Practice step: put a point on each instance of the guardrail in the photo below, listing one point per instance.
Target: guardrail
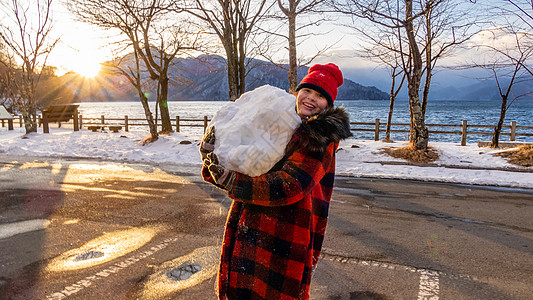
(377, 127)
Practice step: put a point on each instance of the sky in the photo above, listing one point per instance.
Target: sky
(84, 46)
(356, 158)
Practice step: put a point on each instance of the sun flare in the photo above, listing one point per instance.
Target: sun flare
(87, 68)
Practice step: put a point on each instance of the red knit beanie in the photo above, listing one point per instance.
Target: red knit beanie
(324, 79)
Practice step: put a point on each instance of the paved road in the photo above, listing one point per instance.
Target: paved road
(89, 229)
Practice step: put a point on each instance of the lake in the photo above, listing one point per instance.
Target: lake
(438, 112)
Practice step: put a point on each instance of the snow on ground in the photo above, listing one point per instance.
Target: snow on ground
(360, 158)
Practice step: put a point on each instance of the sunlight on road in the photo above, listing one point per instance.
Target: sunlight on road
(11, 229)
(33, 165)
(104, 248)
(160, 283)
(87, 176)
(8, 166)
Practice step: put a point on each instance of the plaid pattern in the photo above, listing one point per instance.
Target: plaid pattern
(275, 227)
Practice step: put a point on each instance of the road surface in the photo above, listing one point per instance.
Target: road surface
(91, 229)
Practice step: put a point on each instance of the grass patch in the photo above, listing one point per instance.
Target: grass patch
(523, 156)
(148, 140)
(410, 154)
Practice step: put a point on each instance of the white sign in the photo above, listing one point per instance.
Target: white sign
(4, 114)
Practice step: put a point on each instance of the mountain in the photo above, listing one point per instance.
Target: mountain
(483, 90)
(204, 78)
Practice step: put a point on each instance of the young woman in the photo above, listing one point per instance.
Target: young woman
(277, 221)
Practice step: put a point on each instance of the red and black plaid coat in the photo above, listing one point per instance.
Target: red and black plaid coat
(277, 221)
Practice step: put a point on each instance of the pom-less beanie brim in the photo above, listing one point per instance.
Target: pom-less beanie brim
(315, 87)
(325, 79)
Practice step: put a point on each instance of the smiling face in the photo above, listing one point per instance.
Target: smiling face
(309, 102)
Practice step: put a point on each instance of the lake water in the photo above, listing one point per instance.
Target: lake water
(438, 112)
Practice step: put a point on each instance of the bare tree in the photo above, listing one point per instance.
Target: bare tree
(523, 9)
(9, 81)
(5, 71)
(385, 45)
(25, 31)
(429, 29)
(506, 55)
(170, 40)
(129, 66)
(151, 31)
(234, 22)
(291, 10)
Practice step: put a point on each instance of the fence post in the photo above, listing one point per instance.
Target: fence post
(80, 118)
(46, 129)
(376, 131)
(75, 120)
(20, 120)
(126, 123)
(513, 131)
(464, 127)
(205, 124)
(103, 119)
(177, 123)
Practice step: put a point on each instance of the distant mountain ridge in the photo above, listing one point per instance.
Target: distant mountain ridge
(204, 78)
(484, 90)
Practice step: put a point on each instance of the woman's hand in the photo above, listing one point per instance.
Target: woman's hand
(208, 143)
(222, 176)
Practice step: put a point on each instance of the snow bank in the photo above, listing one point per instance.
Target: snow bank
(252, 132)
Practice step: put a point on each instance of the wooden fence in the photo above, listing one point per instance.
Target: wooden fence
(127, 122)
(377, 127)
(464, 129)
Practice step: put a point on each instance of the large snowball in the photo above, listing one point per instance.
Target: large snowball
(252, 132)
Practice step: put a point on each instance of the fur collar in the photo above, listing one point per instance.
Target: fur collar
(320, 130)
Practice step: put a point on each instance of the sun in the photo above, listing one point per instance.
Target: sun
(87, 68)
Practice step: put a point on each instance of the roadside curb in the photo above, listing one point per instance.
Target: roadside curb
(434, 165)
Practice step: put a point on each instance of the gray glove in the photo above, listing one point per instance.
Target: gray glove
(222, 176)
(208, 143)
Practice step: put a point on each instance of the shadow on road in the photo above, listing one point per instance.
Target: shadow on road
(385, 225)
(22, 254)
(85, 202)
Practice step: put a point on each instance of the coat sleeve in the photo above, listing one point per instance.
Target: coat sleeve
(299, 174)
(206, 176)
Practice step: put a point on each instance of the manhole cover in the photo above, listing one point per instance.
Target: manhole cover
(89, 255)
(184, 271)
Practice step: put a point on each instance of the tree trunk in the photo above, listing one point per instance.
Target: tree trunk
(29, 113)
(241, 76)
(293, 64)
(419, 134)
(29, 122)
(233, 82)
(498, 129)
(166, 125)
(149, 118)
(429, 59)
(427, 84)
(391, 108)
(241, 60)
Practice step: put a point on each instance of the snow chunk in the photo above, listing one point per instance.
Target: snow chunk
(252, 132)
